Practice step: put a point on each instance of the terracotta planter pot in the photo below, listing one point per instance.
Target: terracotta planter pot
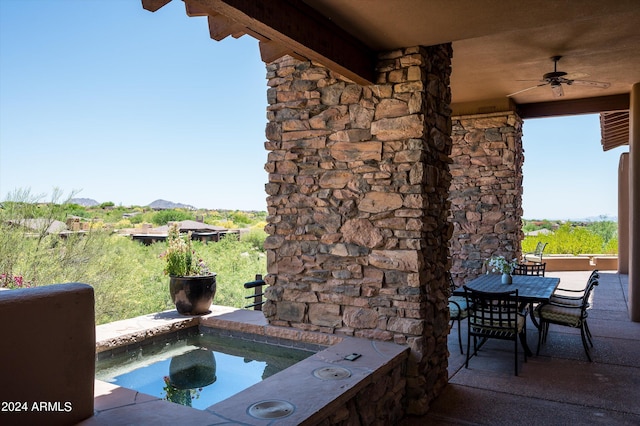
(193, 295)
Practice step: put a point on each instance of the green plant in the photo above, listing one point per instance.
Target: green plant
(606, 229)
(127, 276)
(575, 238)
(502, 265)
(165, 216)
(179, 396)
(180, 257)
(255, 237)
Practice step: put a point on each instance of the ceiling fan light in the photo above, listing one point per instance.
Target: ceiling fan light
(556, 88)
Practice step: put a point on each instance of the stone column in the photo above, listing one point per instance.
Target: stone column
(486, 191)
(357, 203)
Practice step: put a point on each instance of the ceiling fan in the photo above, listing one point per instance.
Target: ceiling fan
(556, 79)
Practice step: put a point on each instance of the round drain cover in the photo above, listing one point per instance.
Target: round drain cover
(331, 373)
(272, 409)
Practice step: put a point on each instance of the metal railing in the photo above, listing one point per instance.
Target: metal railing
(256, 285)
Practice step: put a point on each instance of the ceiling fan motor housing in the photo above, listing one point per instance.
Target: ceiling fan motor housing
(554, 76)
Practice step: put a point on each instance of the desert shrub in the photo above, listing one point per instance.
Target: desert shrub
(606, 229)
(255, 237)
(224, 223)
(141, 218)
(240, 218)
(165, 216)
(235, 262)
(611, 247)
(574, 240)
(127, 276)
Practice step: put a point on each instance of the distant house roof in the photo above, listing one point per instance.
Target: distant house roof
(192, 225)
(542, 231)
(52, 227)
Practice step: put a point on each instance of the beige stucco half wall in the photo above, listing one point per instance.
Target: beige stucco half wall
(48, 354)
(580, 263)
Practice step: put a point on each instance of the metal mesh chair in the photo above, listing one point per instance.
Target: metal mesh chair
(535, 269)
(457, 309)
(495, 316)
(535, 256)
(568, 311)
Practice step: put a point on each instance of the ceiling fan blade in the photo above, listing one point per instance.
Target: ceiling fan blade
(599, 84)
(575, 75)
(557, 90)
(528, 88)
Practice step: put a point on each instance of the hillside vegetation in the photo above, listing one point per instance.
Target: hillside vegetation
(597, 237)
(127, 276)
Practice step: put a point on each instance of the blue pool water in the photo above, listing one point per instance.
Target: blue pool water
(198, 370)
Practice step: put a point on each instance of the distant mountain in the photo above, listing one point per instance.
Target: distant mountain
(86, 202)
(164, 205)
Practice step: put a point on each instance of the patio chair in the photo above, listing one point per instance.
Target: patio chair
(570, 295)
(568, 311)
(495, 316)
(525, 269)
(457, 309)
(536, 255)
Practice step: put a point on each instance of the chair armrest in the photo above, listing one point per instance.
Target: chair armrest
(567, 293)
(456, 303)
(565, 296)
(570, 289)
(561, 304)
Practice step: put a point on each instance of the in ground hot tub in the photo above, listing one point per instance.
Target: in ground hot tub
(197, 369)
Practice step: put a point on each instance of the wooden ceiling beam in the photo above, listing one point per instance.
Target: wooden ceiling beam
(303, 31)
(220, 27)
(154, 5)
(575, 106)
(194, 9)
(270, 51)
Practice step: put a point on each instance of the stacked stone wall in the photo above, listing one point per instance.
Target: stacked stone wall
(380, 403)
(486, 191)
(358, 210)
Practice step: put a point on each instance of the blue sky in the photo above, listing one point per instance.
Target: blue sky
(124, 105)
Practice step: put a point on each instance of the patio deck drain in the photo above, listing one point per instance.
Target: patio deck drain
(331, 373)
(271, 409)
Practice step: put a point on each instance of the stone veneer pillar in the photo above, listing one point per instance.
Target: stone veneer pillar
(357, 201)
(486, 191)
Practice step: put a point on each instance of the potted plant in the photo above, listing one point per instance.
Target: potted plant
(179, 396)
(191, 284)
(504, 266)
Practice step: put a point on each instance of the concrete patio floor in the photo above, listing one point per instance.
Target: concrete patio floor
(558, 387)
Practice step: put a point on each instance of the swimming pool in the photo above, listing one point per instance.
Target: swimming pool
(198, 370)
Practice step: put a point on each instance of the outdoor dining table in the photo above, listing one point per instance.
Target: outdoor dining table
(531, 289)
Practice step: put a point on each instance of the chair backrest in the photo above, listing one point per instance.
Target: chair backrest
(452, 284)
(595, 275)
(593, 281)
(493, 314)
(537, 269)
(539, 248)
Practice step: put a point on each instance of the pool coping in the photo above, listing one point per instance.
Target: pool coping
(313, 398)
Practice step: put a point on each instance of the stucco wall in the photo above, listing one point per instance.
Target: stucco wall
(48, 354)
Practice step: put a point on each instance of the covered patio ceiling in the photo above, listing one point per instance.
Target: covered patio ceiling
(500, 46)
